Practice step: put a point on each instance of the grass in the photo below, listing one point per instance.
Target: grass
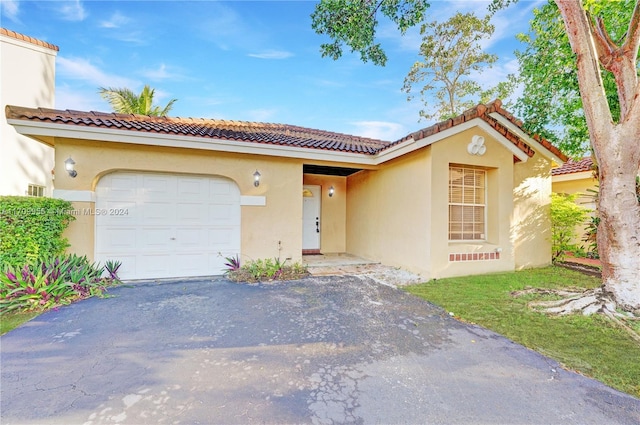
(592, 346)
(9, 321)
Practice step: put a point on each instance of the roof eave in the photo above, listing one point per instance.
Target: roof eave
(475, 122)
(580, 175)
(528, 139)
(43, 131)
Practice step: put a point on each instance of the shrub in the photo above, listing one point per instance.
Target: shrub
(48, 284)
(31, 229)
(264, 270)
(565, 216)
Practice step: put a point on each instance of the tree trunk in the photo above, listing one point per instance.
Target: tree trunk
(616, 147)
(619, 229)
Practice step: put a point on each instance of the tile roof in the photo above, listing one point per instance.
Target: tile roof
(18, 36)
(266, 133)
(482, 111)
(571, 166)
(256, 132)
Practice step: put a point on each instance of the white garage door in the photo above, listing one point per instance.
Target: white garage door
(164, 225)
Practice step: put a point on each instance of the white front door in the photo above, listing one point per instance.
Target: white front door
(311, 217)
(166, 225)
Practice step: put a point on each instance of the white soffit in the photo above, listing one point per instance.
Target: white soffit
(582, 175)
(28, 45)
(531, 141)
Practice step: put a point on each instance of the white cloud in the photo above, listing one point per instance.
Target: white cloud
(71, 98)
(490, 77)
(10, 9)
(271, 54)
(72, 10)
(225, 28)
(262, 115)
(162, 73)
(117, 20)
(382, 130)
(82, 69)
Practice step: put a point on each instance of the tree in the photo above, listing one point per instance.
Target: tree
(551, 104)
(451, 52)
(124, 101)
(616, 144)
(565, 216)
(354, 23)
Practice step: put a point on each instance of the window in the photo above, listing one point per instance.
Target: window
(35, 190)
(467, 199)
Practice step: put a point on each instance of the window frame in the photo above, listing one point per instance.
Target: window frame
(462, 204)
(35, 190)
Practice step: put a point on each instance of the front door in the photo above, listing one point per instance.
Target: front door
(311, 217)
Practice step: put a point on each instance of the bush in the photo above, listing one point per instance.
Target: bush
(31, 229)
(48, 284)
(565, 216)
(264, 270)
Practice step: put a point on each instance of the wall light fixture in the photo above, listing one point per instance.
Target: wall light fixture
(69, 165)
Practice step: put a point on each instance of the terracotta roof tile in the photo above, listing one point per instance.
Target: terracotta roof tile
(571, 166)
(482, 111)
(268, 133)
(276, 134)
(18, 36)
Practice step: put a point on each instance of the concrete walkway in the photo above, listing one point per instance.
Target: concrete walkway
(323, 350)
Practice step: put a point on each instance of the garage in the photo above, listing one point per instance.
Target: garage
(166, 225)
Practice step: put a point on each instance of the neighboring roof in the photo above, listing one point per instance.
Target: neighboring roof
(18, 36)
(278, 134)
(571, 167)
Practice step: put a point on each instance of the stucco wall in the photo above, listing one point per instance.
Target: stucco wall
(332, 211)
(27, 78)
(531, 223)
(388, 213)
(399, 214)
(267, 231)
(498, 162)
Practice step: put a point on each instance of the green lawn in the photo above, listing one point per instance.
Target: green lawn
(9, 321)
(590, 345)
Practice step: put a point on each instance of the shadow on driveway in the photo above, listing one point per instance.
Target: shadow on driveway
(323, 350)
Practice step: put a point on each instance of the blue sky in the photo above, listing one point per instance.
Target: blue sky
(241, 60)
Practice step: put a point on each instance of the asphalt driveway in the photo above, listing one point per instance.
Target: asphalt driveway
(323, 350)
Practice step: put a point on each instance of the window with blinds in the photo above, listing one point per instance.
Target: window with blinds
(467, 203)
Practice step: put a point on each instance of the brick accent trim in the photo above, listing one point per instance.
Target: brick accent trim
(475, 256)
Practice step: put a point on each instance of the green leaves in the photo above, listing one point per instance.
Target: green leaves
(124, 101)
(551, 105)
(47, 284)
(31, 229)
(263, 270)
(353, 23)
(451, 52)
(566, 214)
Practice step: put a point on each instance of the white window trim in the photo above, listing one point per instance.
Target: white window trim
(486, 190)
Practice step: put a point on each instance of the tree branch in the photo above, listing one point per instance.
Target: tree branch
(605, 47)
(632, 43)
